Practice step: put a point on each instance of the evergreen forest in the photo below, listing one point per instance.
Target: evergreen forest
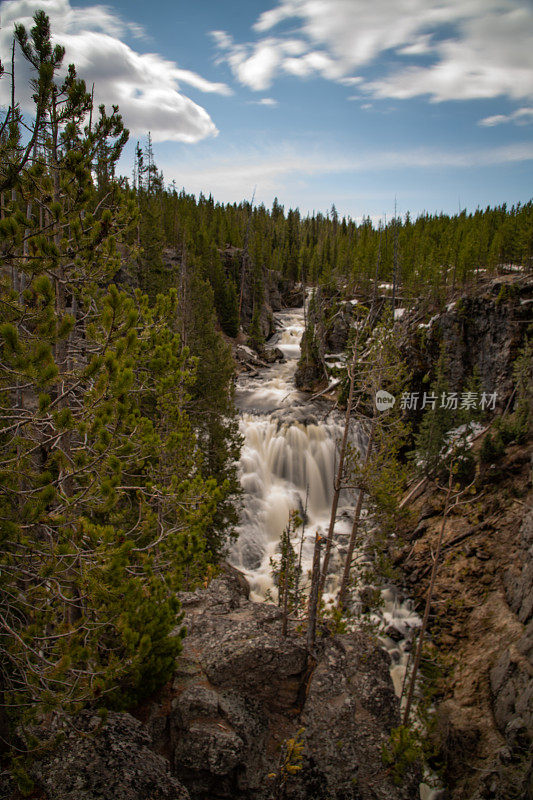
(120, 297)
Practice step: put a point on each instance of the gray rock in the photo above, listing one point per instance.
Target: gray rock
(519, 582)
(110, 761)
(339, 329)
(511, 681)
(272, 354)
(349, 706)
(241, 689)
(482, 331)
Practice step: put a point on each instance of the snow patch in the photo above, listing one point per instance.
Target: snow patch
(430, 323)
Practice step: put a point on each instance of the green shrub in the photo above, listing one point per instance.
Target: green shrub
(492, 448)
(401, 751)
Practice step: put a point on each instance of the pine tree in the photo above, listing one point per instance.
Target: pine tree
(287, 572)
(211, 409)
(106, 513)
(436, 422)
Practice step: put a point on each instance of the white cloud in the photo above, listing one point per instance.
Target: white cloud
(279, 168)
(266, 101)
(351, 81)
(522, 116)
(484, 51)
(145, 85)
(256, 65)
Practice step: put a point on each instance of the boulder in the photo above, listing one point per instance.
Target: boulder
(272, 354)
(349, 710)
(96, 760)
(241, 689)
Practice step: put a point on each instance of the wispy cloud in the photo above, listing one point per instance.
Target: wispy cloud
(484, 51)
(522, 116)
(265, 101)
(147, 86)
(277, 168)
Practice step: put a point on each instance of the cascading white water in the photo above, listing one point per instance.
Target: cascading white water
(288, 463)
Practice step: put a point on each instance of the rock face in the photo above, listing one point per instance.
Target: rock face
(241, 689)
(338, 328)
(278, 292)
(348, 708)
(511, 678)
(328, 329)
(105, 761)
(482, 331)
(519, 583)
(482, 629)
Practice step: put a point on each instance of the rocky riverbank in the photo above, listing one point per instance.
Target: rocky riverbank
(239, 692)
(481, 628)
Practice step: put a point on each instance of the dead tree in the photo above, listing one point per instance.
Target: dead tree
(314, 596)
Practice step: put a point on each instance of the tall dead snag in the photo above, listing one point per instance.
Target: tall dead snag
(355, 525)
(395, 273)
(377, 472)
(337, 486)
(314, 596)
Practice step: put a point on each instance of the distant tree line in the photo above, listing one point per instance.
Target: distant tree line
(434, 252)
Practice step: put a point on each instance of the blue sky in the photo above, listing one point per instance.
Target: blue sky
(352, 102)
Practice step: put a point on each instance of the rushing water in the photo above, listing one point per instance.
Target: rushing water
(288, 463)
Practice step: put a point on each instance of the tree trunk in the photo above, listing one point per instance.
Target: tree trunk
(428, 602)
(342, 454)
(355, 527)
(314, 597)
(338, 479)
(285, 601)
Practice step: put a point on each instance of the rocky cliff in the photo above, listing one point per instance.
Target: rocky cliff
(480, 674)
(481, 329)
(277, 291)
(240, 691)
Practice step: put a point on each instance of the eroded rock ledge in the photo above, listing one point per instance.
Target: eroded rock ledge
(239, 690)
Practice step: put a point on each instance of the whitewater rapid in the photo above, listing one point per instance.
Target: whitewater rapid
(288, 463)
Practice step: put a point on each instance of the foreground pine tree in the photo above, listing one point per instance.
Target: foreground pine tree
(103, 506)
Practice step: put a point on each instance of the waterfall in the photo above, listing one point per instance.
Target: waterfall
(288, 463)
(287, 460)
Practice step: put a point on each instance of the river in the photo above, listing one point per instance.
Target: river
(287, 463)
